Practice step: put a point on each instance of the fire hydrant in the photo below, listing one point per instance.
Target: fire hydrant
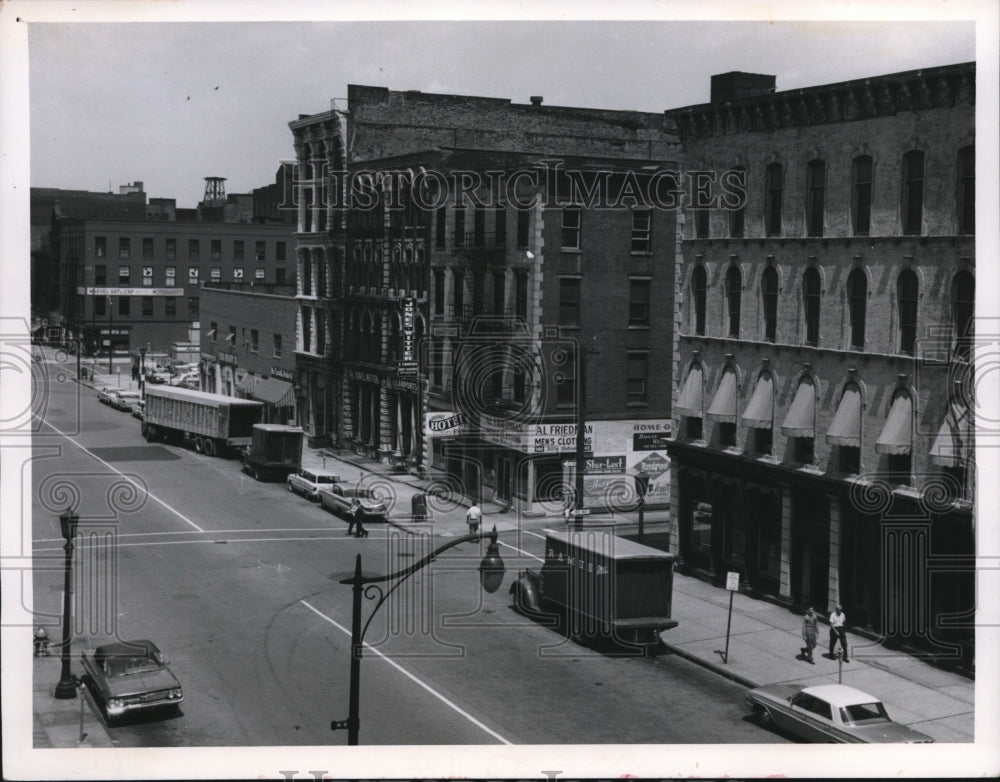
(41, 643)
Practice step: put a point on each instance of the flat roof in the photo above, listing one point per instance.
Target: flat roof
(192, 395)
(608, 544)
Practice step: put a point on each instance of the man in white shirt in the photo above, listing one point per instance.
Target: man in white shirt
(473, 516)
(838, 631)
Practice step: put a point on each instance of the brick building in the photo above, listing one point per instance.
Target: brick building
(247, 344)
(395, 291)
(821, 402)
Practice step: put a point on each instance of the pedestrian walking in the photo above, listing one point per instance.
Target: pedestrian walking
(354, 519)
(838, 631)
(810, 632)
(473, 516)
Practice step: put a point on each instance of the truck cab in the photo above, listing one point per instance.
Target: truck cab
(275, 452)
(600, 588)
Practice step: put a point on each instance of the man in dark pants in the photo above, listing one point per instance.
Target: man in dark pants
(838, 631)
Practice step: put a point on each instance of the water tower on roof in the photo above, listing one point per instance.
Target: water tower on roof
(215, 189)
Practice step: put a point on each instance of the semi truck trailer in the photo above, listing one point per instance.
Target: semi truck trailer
(212, 423)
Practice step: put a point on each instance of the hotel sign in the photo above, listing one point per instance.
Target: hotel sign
(130, 291)
(443, 424)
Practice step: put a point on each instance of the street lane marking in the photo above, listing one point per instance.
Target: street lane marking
(410, 676)
(206, 541)
(520, 551)
(111, 467)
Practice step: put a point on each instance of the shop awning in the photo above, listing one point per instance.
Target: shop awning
(760, 412)
(897, 436)
(953, 442)
(690, 401)
(247, 383)
(846, 426)
(723, 405)
(802, 413)
(275, 392)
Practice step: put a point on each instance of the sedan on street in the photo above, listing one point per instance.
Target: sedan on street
(829, 713)
(130, 676)
(352, 502)
(309, 482)
(123, 400)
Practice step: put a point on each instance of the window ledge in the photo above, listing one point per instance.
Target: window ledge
(641, 253)
(571, 250)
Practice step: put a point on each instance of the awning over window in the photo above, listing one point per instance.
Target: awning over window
(846, 426)
(723, 405)
(760, 412)
(690, 402)
(275, 392)
(897, 436)
(247, 383)
(953, 442)
(802, 413)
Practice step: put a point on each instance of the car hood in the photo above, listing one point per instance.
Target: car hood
(890, 732)
(776, 692)
(147, 681)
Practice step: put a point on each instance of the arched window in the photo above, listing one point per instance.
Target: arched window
(815, 197)
(963, 306)
(699, 289)
(769, 292)
(913, 191)
(906, 293)
(734, 284)
(857, 301)
(861, 194)
(810, 302)
(773, 184)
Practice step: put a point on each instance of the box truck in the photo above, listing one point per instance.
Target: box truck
(274, 452)
(212, 423)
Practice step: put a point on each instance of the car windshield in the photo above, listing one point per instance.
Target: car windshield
(324, 479)
(864, 714)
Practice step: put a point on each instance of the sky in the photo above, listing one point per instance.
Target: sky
(172, 103)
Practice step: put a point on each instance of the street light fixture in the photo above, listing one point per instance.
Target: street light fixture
(67, 684)
(491, 572)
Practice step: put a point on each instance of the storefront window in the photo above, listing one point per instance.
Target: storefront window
(701, 527)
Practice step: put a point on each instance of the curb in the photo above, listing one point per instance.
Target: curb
(713, 667)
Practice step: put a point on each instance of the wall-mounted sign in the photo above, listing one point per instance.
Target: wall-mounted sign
(408, 365)
(130, 291)
(443, 424)
(284, 374)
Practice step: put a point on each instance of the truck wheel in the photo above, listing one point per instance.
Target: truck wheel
(197, 445)
(208, 446)
(145, 433)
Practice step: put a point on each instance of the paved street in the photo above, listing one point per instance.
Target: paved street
(233, 579)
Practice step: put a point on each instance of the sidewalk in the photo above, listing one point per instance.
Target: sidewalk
(764, 638)
(56, 723)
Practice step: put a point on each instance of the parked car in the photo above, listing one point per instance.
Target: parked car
(122, 399)
(829, 713)
(104, 394)
(181, 379)
(309, 482)
(138, 408)
(158, 376)
(130, 676)
(352, 501)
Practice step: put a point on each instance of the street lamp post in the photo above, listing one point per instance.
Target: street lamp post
(67, 684)
(491, 572)
(642, 486)
(111, 336)
(581, 437)
(142, 370)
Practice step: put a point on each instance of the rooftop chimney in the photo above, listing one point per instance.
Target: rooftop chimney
(738, 85)
(536, 100)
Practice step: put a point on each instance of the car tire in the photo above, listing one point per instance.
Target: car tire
(208, 446)
(763, 716)
(290, 488)
(197, 445)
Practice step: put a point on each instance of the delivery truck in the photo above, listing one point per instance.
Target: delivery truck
(274, 452)
(600, 588)
(212, 423)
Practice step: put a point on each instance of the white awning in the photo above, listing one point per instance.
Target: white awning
(690, 401)
(723, 405)
(801, 415)
(897, 434)
(760, 412)
(846, 426)
(953, 443)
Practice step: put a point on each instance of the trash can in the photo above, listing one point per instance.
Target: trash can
(418, 508)
(83, 373)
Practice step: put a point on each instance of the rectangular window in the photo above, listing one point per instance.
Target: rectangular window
(279, 251)
(170, 306)
(459, 226)
(439, 291)
(147, 276)
(571, 219)
(500, 226)
(441, 227)
(913, 192)
(737, 215)
(100, 275)
(276, 340)
(124, 305)
(238, 273)
(124, 248)
(147, 248)
(701, 223)
(216, 249)
(850, 459)
(194, 250)
(100, 246)
(804, 450)
(171, 253)
(100, 305)
(306, 329)
(763, 441)
(861, 196)
(147, 306)
(523, 228)
(279, 276)
(727, 434)
(693, 428)
(192, 275)
(258, 274)
(215, 273)
(193, 308)
(170, 276)
(773, 184)
(124, 273)
(254, 340)
(641, 222)
(521, 298)
(569, 301)
(458, 294)
(638, 303)
(967, 190)
(637, 377)
(238, 250)
(566, 384)
(260, 251)
(815, 196)
(478, 226)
